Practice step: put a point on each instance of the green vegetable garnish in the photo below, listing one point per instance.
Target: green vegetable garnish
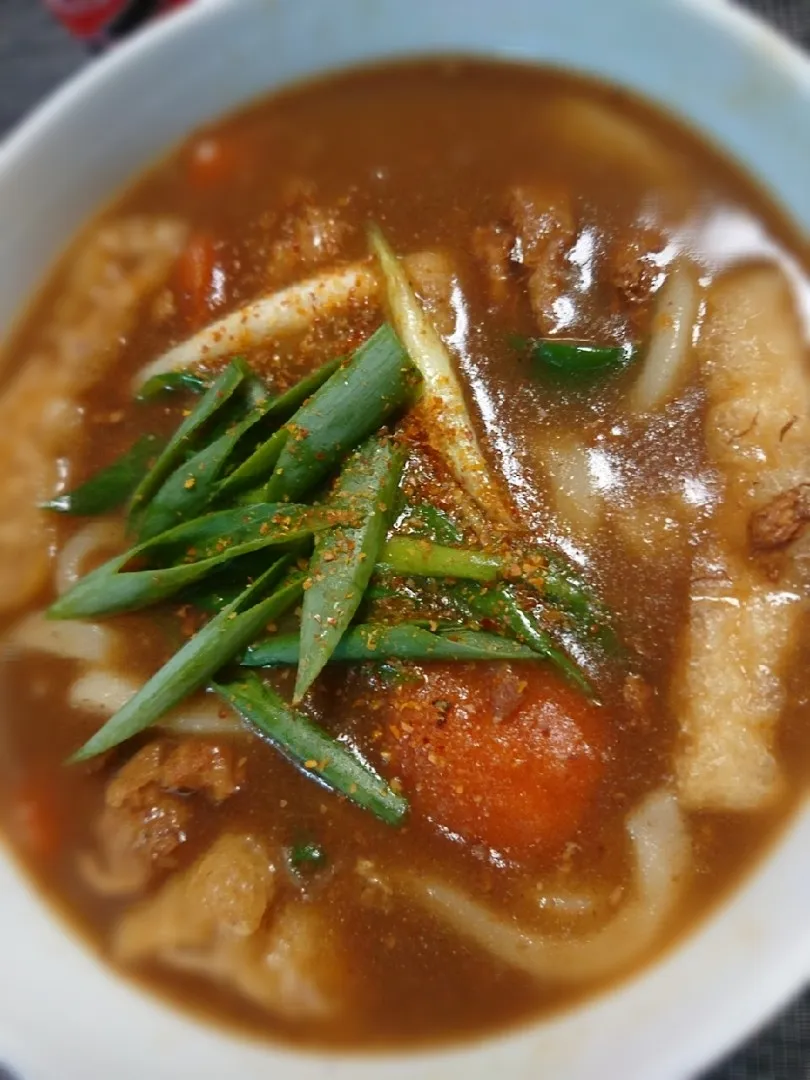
(111, 487)
(404, 555)
(448, 422)
(577, 360)
(258, 465)
(311, 749)
(354, 403)
(430, 523)
(185, 555)
(499, 604)
(402, 641)
(559, 583)
(306, 855)
(219, 641)
(171, 381)
(191, 487)
(184, 439)
(344, 558)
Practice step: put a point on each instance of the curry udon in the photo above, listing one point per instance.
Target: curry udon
(404, 562)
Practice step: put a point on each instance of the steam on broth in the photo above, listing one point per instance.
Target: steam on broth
(404, 561)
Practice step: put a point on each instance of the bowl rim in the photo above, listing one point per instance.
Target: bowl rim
(782, 976)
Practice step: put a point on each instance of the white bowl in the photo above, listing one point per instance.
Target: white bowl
(63, 1014)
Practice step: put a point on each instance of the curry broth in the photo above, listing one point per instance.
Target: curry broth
(426, 149)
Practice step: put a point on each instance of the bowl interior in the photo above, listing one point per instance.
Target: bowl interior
(62, 1013)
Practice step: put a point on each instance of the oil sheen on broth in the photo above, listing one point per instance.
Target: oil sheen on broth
(556, 839)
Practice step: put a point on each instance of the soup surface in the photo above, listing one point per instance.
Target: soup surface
(575, 706)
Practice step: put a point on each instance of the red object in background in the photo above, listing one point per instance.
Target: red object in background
(100, 22)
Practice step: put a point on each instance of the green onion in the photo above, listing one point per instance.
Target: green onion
(219, 641)
(378, 381)
(248, 482)
(570, 359)
(449, 426)
(213, 540)
(259, 464)
(403, 555)
(316, 753)
(500, 605)
(565, 588)
(559, 583)
(344, 558)
(183, 440)
(306, 855)
(287, 404)
(404, 641)
(190, 488)
(111, 487)
(396, 673)
(431, 523)
(171, 381)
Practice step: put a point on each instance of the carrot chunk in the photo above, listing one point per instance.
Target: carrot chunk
(35, 818)
(198, 281)
(505, 755)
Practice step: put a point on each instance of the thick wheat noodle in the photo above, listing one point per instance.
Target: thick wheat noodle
(103, 692)
(579, 504)
(68, 639)
(282, 314)
(106, 882)
(666, 360)
(97, 538)
(615, 140)
(662, 853)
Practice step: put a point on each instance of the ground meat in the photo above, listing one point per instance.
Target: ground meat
(541, 218)
(190, 765)
(545, 229)
(638, 697)
(146, 816)
(507, 690)
(492, 247)
(141, 835)
(781, 520)
(633, 271)
(307, 235)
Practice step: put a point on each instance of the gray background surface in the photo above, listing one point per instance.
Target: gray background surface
(35, 56)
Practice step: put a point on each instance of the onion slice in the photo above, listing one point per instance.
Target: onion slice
(443, 407)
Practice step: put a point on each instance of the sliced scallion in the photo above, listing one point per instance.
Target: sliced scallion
(211, 648)
(316, 753)
(355, 402)
(376, 643)
(110, 488)
(344, 558)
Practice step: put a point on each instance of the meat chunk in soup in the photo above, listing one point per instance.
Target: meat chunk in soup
(308, 234)
(147, 816)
